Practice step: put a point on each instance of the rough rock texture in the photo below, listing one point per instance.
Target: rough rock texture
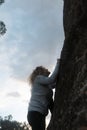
(70, 109)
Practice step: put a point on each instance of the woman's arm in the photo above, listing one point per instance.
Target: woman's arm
(48, 80)
(52, 85)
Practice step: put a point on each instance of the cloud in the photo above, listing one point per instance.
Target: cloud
(13, 94)
(34, 36)
(9, 104)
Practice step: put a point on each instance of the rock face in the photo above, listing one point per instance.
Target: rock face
(70, 106)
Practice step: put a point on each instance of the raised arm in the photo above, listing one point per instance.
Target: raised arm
(52, 85)
(51, 79)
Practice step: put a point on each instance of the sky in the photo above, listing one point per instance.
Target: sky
(34, 37)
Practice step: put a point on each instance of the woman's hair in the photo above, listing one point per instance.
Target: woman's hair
(40, 70)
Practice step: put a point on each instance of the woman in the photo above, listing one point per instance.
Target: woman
(41, 96)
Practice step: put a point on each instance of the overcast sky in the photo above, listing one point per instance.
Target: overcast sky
(34, 37)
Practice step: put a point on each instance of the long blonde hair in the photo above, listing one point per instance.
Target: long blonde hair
(40, 70)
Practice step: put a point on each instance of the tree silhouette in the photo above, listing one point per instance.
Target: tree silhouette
(2, 28)
(2, 25)
(7, 123)
(70, 106)
(1, 1)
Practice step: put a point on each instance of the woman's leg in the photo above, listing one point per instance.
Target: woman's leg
(36, 120)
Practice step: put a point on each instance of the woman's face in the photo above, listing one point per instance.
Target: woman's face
(46, 73)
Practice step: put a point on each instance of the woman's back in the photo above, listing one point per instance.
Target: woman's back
(40, 98)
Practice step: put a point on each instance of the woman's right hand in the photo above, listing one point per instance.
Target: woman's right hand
(58, 61)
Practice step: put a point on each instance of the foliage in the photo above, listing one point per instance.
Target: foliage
(1, 1)
(2, 28)
(7, 123)
(2, 25)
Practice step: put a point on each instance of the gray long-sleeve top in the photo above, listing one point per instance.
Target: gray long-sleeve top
(41, 93)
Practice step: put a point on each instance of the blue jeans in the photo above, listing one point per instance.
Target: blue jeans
(36, 120)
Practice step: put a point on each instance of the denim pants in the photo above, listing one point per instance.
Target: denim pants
(36, 120)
